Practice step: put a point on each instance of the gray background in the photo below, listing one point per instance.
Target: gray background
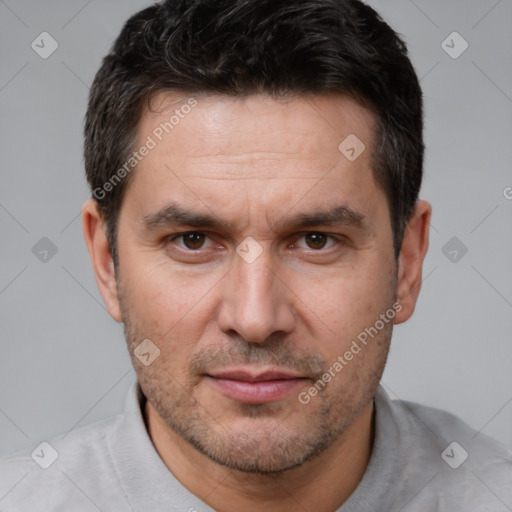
(63, 359)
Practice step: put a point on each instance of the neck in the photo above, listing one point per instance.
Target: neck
(337, 471)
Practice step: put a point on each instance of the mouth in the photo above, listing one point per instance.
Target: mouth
(249, 386)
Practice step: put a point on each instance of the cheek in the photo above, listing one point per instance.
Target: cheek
(343, 305)
(349, 298)
(163, 300)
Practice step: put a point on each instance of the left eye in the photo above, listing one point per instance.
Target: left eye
(317, 240)
(192, 240)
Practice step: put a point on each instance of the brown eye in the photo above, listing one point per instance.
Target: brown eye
(193, 240)
(316, 240)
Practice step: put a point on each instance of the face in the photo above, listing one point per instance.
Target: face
(255, 255)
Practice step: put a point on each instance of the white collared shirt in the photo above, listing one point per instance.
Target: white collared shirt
(423, 460)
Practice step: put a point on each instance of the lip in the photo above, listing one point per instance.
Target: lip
(253, 387)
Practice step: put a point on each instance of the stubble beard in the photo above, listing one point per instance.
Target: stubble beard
(269, 449)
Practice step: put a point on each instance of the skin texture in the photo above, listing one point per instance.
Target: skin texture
(254, 165)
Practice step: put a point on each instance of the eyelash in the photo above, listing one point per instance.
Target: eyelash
(336, 239)
(175, 237)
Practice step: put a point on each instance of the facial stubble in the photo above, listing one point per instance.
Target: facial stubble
(285, 434)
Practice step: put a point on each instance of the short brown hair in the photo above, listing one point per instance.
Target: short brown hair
(240, 47)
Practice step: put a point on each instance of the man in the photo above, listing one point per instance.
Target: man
(255, 224)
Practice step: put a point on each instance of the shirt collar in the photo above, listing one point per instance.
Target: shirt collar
(377, 490)
(147, 482)
(150, 486)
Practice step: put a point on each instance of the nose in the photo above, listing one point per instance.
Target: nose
(256, 302)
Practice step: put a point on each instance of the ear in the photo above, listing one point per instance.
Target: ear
(410, 262)
(101, 258)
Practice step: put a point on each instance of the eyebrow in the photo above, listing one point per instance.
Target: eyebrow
(338, 215)
(173, 214)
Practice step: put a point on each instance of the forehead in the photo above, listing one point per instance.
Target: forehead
(254, 154)
(220, 124)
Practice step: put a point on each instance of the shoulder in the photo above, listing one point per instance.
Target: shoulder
(74, 469)
(450, 465)
(444, 431)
